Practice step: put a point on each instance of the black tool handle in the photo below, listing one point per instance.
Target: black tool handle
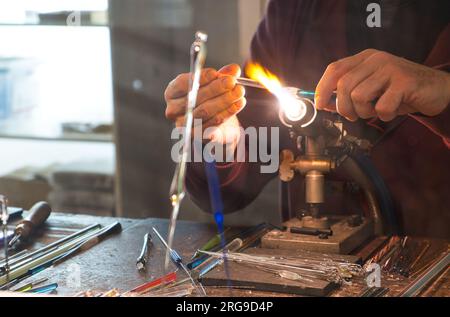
(38, 214)
(311, 231)
(116, 227)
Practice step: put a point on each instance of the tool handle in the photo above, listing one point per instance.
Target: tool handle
(116, 227)
(176, 258)
(39, 213)
(36, 217)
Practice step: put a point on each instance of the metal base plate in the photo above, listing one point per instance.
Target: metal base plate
(344, 239)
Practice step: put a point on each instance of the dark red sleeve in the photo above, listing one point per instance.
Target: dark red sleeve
(439, 58)
(439, 124)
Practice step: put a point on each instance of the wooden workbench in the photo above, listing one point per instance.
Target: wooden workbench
(112, 263)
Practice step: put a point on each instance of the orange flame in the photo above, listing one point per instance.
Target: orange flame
(264, 77)
(290, 104)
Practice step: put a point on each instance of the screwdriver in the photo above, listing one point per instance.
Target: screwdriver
(37, 216)
(176, 258)
(178, 261)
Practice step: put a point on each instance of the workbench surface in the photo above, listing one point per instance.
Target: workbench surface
(112, 263)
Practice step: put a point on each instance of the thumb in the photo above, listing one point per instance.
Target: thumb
(231, 69)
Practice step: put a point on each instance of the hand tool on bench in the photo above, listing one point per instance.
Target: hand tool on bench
(178, 261)
(141, 261)
(38, 215)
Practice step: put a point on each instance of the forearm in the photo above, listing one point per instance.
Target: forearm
(440, 123)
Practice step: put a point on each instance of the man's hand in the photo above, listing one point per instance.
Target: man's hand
(377, 84)
(219, 98)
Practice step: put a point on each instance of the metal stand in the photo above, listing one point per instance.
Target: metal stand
(345, 238)
(314, 231)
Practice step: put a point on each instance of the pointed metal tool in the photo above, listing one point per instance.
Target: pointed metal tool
(178, 261)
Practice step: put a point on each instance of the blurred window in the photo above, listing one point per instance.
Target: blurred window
(55, 68)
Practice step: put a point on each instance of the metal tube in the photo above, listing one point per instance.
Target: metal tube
(15, 256)
(55, 244)
(314, 191)
(358, 175)
(22, 268)
(177, 188)
(247, 82)
(415, 288)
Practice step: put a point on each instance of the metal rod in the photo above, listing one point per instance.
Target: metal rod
(214, 241)
(45, 260)
(53, 245)
(177, 188)
(207, 266)
(161, 238)
(247, 82)
(14, 256)
(250, 83)
(415, 287)
(178, 261)
(91, 240)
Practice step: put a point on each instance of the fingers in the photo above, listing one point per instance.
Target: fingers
(213, 84)
(218, 87)
(175, 108)
(234, 109)
(345, 90)
(328, 82)
(366, 87)
(388, 105)
(220, 117)
(179, 86)
(365, 94)
(231, 69)
(176, 92)
(215, 88)
(211, 107)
